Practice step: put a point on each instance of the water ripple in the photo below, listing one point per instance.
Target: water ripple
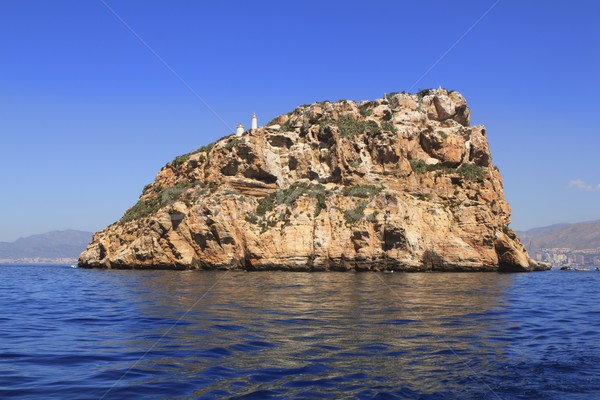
(80, 334)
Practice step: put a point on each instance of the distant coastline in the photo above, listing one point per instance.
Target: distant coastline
(38, 260)
(565, 244)
(55, 247)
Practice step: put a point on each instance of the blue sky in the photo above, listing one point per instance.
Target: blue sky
(88, 114)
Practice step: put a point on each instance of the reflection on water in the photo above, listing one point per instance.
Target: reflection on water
(297, 331)
(191, 334)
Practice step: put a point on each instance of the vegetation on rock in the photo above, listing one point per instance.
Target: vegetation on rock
(365, 109)
(363, 191)
(289, 195)
(471, 172)
(356, 214)
(260, 206)
(468, 171)
(388, 126)
(179, 160)
(349, 127)
(148, 206)
(232, 142)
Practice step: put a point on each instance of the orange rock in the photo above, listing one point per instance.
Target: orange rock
(401, 183)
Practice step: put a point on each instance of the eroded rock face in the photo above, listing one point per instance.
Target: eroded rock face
(400, 183)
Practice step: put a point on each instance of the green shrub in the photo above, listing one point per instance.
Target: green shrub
(420, 167)
(295, 190)
(232, 142)
(388, 126)
(266, 204)
(206, 149)
(372, 218)
(365, 111)
(471, 172)
(321, 202)
(350, 127)
(424, 196)
(362, 191)
(181, 159)
(184, 157)
(141, 209)
(146, 207)
(290, 194)
(443, 134)
(172, 194)
(372, 127)
(356, 214)
(252, 218)
(424, 92)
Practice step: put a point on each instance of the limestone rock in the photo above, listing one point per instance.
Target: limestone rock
(399, 183)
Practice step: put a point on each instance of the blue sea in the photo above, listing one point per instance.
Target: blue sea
(101, 334)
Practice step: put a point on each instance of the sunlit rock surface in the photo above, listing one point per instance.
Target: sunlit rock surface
(399, 183)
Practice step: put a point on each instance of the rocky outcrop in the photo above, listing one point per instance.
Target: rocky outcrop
(399, 183)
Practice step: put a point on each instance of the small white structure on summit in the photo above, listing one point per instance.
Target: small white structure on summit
(239, 130)
(254, 121)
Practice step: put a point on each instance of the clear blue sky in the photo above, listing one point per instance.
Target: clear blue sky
(88, 114)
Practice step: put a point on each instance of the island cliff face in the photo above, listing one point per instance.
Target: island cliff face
(399, 183)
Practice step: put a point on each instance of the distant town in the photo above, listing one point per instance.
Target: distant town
(566, 257)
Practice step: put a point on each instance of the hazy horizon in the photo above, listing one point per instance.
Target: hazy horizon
(97, 96)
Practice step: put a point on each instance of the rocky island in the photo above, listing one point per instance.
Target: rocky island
(400, 183)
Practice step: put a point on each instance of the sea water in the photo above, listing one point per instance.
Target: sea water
(102, 334)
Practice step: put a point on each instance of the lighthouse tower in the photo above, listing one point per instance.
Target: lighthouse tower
(239, 130)
(254, 121)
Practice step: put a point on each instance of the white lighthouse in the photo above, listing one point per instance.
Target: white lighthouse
(239, 130)
(254, 121)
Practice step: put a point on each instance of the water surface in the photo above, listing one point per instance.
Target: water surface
(92, 334)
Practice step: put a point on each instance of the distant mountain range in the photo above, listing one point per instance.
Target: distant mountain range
(584, 235)
(59, 246)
